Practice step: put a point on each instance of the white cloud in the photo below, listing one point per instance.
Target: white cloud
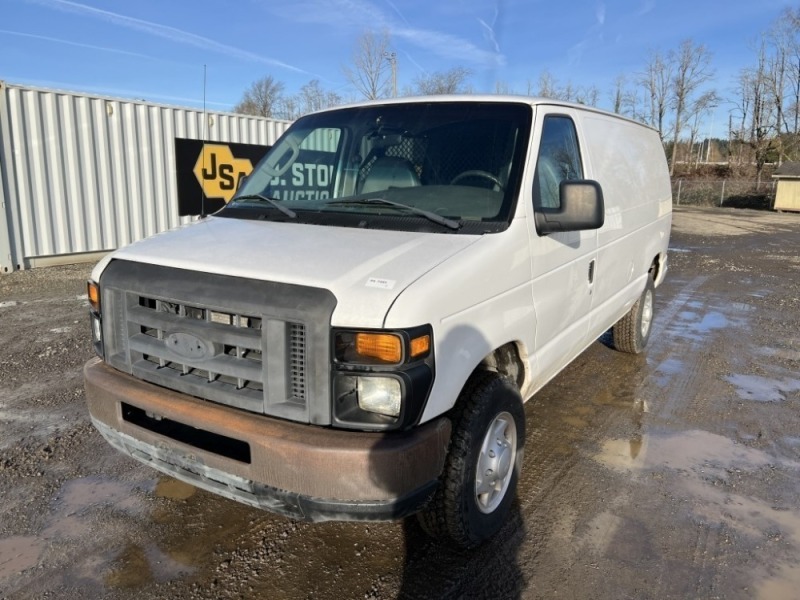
(47, 38)
(489, 35)
(646, 7)
(600, 13)
(397, 10)
(165, 31)
(592, 37)
(449, 46)
(360, 15)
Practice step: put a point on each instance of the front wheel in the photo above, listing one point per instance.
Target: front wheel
(483, 465)
(632, 331)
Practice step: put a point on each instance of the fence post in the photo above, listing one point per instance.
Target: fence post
(680, 181)
(722, 195)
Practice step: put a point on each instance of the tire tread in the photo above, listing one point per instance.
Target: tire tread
(626, 333)
(444, 516)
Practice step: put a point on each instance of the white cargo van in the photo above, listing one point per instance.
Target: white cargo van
(353, 335)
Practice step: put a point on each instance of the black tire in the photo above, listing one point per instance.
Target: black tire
(458, 513)
(632, 331)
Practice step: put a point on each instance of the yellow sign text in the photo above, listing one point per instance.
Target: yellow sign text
(218, 172)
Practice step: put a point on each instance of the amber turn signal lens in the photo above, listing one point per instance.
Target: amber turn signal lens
(93, 291)
(420, 346)
(383, 346)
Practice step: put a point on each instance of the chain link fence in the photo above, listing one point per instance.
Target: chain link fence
(732, 193)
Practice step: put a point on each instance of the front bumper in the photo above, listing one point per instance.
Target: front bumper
(302, 471)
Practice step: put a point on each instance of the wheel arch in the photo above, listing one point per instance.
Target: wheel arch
(658, 268)
(508, 360)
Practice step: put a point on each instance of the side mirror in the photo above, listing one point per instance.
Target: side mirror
(581, 208)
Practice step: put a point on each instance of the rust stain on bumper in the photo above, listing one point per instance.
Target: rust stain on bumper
(345, 466)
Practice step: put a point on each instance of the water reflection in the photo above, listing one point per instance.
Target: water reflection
(763, 389)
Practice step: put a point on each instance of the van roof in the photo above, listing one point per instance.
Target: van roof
(489, 98)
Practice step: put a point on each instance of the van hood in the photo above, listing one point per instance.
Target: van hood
(365, 269)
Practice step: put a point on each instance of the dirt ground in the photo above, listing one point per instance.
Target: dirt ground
(675, 474)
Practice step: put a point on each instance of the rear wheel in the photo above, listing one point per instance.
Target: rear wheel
(483, 465)
(632, 331)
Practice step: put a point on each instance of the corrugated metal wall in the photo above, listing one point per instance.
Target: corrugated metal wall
(85, 174)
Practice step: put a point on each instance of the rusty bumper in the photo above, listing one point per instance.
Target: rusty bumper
(302, 471)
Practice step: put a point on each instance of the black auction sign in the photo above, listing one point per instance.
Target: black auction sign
(209, 173)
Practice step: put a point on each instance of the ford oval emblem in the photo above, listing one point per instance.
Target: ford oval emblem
(187, 345)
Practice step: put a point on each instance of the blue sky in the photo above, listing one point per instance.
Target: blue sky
(156, 49)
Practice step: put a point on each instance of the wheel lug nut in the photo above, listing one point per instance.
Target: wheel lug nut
(491, 454)
(489, 472)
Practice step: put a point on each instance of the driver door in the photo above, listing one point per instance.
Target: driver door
(562, 263)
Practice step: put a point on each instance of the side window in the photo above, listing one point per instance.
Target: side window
(559, 160)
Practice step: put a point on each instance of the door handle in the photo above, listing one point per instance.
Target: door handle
(591, 271)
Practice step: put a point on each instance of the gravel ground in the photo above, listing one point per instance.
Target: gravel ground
(674, 474)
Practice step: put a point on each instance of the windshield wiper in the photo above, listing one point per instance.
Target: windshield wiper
(274, 202)
(431, 216)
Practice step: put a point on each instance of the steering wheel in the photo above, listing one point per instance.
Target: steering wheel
(477, 173)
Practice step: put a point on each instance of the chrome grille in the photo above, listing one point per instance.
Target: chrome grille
(231, 369)
(247, 347)
(260, 346)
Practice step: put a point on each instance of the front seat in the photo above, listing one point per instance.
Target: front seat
(387, 172)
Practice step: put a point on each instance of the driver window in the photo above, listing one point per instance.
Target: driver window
(559, 160)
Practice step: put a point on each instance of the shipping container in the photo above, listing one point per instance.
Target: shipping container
(81, 174)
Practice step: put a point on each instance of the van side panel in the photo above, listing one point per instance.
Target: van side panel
(629, 162)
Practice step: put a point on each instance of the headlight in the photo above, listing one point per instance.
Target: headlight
(93, 293)
(97, 329)
(381, 395)
(381, 378)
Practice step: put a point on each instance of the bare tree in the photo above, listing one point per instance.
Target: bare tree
(313, 97)
(588, 95)
(452, 81)
(371, 69)
(698, 109)
(759, 127)
(791, 20)
(262, 98)
(692, 71)
(548, 87)
(288, 108)
(502, 87)
(656, 81)
(783, 78)
(625, 99)
(618, 94)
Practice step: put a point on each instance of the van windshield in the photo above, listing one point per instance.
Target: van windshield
(443, 167)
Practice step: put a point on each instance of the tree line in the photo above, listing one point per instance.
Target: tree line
(371, 73)
(674, 92)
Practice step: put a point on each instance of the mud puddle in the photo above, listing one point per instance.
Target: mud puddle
(763, 389)
(100, 508)
(19, 553)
